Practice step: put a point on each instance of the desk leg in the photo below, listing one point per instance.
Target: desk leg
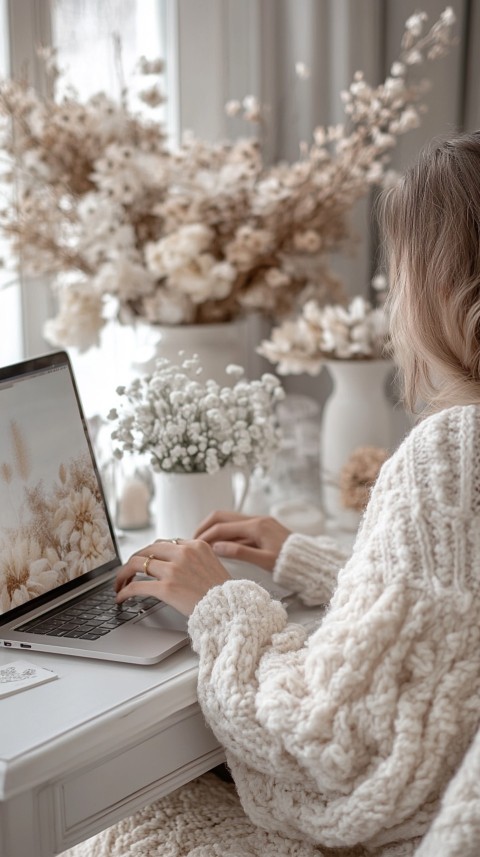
(19, 828)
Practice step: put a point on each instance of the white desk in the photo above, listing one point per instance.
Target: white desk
(102, 740)
(84, 750)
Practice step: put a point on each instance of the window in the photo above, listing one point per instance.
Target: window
(11, 340)
(85, 34)
(82, 31)
(212, 54)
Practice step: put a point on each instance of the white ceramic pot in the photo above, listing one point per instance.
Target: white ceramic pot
(183, 500)
(357, 413)
(217, 345)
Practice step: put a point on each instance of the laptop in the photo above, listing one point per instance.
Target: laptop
(58, 551)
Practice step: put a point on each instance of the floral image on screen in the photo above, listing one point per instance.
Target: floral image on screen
(53, 526)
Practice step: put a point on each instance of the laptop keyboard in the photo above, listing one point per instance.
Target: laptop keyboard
(90, 617)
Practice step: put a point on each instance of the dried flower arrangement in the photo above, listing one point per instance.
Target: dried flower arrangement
(187, 425)
(332, 332)
(359, 475)
(201, 233)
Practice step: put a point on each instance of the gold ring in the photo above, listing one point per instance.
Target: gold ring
(147, 562)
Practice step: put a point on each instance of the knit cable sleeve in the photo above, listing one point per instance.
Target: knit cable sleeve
(349, 736)
(310, 566)
(455, 831)
(287, 712)
(231, 628)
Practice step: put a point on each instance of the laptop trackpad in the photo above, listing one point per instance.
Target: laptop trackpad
(165, 619)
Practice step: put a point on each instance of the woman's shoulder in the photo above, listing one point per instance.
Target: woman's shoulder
(427, 495)
(455, 416)
(447, 431)
(441, 456)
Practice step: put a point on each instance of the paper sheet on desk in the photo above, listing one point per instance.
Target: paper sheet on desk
(20, 675)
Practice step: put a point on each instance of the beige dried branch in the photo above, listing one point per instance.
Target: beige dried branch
(21, 454)
(6, 472)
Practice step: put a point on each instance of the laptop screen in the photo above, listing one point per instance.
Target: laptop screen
(55, 530)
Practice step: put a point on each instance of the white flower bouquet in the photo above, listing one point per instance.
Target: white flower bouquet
(333, 332)
(187, 425)
(128, 227)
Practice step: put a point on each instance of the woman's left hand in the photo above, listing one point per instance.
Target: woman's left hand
(180, 573)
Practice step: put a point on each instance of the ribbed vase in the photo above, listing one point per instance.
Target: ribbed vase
(357, 413)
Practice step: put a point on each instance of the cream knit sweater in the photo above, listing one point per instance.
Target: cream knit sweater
(347, 739)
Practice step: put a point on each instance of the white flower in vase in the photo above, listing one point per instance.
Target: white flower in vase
(197, 434)
(189, 425)
(333, 332)
(353, 343)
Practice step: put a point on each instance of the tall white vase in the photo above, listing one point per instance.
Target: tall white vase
(357, 413)
(217, 345)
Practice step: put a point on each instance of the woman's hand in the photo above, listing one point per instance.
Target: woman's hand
(252, 539)
(180, 573)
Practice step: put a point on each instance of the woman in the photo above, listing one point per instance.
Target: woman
(345, 743)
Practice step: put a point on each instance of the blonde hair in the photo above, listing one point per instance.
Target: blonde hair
(431, 223)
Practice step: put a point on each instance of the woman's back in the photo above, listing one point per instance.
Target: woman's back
(354, 737)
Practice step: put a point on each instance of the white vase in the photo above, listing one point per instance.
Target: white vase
(217, 345)
(357, 413)
(184, 500)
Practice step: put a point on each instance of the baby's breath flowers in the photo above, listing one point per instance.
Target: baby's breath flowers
(201, 233)
(187, 425)
(356, 331)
